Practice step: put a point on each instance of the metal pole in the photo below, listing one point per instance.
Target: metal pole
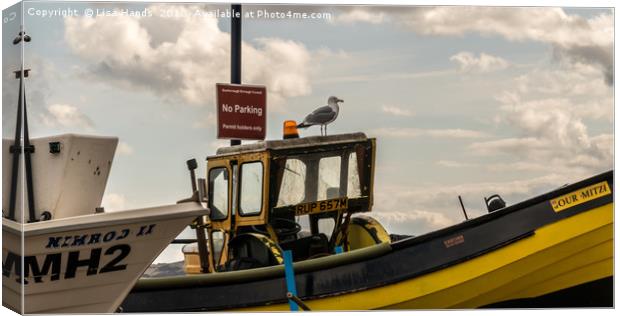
(201, 238)
(28, 150)
(16, 150)
(463, 207)
(289, 275)
(235, 51)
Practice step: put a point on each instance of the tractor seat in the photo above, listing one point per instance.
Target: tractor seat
(306, 247)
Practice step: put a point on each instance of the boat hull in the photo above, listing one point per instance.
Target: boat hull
(528, 250)
(85, 264)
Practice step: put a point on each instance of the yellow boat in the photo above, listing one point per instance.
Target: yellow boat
(554, 250)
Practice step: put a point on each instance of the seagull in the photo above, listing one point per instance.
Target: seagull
(323, 115)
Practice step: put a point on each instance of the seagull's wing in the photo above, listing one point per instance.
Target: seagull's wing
(322, 110)
(321, 115)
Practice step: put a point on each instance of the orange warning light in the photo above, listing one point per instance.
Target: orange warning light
(290, 130)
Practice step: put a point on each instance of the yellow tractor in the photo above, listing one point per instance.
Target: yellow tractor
(296, 194)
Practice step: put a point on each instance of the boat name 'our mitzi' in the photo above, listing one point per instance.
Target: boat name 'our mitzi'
(581, 196)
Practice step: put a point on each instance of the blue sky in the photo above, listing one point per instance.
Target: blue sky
(468, 101)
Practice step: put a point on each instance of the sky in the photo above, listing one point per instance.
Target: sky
(463, 100)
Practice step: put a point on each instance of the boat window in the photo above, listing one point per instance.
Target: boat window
(251, 196)
(218, 193)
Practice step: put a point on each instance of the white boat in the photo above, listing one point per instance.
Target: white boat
(77, 257)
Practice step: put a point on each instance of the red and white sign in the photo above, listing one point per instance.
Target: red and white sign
(241, 111)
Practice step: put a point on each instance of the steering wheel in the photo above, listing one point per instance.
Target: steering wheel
(290, 227)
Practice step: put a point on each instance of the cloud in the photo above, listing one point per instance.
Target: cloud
(385, 76)
(412, 221)
(396, 111)
(183, 57)
(218, 143)
(114, 202)
(469, 63)
(360, 14)
(572, 37)
(405, 209)
(454, 164)
(406, 132)
(578, 86)
(41, 84)
(124, 149)
(208, 121)
(547, 111)
(65, 116)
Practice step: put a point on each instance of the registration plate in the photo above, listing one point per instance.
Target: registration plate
(321, 206)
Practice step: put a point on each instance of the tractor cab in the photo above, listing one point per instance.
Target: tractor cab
(294, 194)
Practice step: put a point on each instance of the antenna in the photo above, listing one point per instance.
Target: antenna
(463, 207)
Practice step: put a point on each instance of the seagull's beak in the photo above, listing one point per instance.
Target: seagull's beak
(339, 100)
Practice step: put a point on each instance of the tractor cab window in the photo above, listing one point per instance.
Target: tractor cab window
(316, 177)
(218, 193)
(329, 178)
(251, 193)
(292, 187)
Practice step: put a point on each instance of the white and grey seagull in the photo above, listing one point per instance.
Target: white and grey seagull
(323, 115)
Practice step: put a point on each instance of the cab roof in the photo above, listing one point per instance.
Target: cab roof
(292, 143)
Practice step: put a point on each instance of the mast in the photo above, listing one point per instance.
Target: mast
(16, 149)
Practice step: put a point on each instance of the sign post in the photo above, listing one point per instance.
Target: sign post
(235, 51)
(241, 111)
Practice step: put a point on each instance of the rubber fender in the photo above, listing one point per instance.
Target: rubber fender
(365, 231)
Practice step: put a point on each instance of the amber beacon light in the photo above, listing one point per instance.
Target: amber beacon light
(290, 129)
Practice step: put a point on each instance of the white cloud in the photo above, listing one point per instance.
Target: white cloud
(184, 57)
(469, 63)
(65, 116)
(454, 164)
(208, 121)
(406, 132)
(578, 86)
(43, 83)
(412, 221)
(548, 111)
(420, 209)
(124, 149)
(218, 143)
(494, 167)
(572, 37)
(114, 202)
(359, 14)
(396, 111)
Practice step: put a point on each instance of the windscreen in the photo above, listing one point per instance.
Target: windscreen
(318, 176)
